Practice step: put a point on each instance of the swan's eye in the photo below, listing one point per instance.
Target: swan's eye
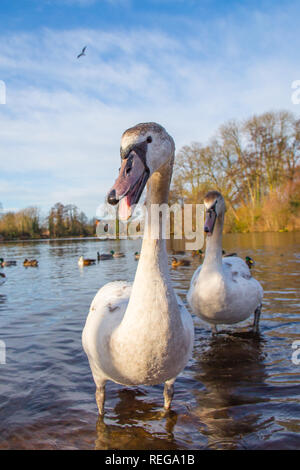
(149, 139)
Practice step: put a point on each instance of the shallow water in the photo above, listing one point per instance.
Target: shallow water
(237, 392)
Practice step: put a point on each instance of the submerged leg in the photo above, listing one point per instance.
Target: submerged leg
(168, 393)
(100, 398)
(214, 329)
(256, 319)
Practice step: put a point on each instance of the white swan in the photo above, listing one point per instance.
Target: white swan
(140, 333)
(222, 290)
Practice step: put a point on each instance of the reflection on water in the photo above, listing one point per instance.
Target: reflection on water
(238, 391)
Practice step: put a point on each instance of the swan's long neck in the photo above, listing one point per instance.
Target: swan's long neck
(152, 293)
(213, 252)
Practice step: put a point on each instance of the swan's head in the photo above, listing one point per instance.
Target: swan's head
(215, 208)
(145, 148)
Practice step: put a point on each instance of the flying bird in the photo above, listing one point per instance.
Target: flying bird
(82, 53)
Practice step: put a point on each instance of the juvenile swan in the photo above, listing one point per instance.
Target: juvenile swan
(140, 333)
(222, 290)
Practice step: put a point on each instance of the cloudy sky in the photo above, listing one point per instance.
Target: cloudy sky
(189, 65)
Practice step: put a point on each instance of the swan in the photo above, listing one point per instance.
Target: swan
(222, 290)
(140, 333)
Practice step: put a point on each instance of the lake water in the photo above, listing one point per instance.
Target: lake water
(237, 392)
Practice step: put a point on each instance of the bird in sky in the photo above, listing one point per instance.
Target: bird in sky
(82, 53)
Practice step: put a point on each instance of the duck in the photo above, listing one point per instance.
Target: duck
(30, 262)
(137, 255)
(2, 278)
(180, 262)
(104, 256)
(140, 333)
(85, 261)
(250, 262)
(178, 252)
(117, 254)
(5, 263)
(222, 290)
(197, 253)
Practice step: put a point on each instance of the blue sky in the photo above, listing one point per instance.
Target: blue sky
(189, 65)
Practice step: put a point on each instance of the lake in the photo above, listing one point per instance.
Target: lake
(237, 392)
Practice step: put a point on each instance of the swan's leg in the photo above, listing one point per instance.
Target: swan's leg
(100, 397)
(256, 319)
(214, 329)
(168, 393)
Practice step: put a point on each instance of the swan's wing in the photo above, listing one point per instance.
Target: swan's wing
(187, 323)
(111, 296)
(237, 271)
(106, 312)
(236, 267)
(191, 290)
(195, 276)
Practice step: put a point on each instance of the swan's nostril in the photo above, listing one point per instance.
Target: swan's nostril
(128, 168)
(112, 198)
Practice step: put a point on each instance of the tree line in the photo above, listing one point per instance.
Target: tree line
(62, 221)
(254, 163)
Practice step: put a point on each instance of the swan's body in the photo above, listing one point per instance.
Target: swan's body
(222, 290)
(141, 333)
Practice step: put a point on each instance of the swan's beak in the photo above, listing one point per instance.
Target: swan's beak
(210, 222)
(129, 185)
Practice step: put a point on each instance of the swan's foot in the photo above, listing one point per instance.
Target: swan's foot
(256, 319)
(168, 393)
(100, 398)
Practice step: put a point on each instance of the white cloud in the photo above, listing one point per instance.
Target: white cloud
(61, 126)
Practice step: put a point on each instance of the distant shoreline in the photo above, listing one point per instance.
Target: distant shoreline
(13, 240)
